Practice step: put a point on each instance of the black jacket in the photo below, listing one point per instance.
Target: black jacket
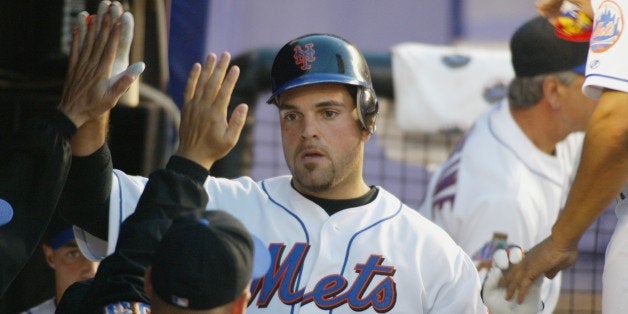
(169, 193)
(34, 165)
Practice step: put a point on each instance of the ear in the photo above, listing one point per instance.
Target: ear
(551, 90)
(366, 134)
(49, 254)
(148, 286)
(242, 302)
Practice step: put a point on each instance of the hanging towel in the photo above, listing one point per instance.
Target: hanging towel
(447, 87)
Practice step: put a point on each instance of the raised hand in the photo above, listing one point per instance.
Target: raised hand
(205, 135)
(551, 8)
(127, 25)
(89, 91)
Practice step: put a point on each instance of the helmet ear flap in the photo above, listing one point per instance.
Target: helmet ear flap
(368, 107)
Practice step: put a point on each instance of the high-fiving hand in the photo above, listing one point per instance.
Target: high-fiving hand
(205, 135)
(98, 72)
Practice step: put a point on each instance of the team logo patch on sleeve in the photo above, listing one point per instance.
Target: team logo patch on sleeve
(608, 26)
(127, 308)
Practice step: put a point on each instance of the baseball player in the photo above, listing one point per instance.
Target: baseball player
(337, 244)
(511, 172)
(35, 163)
(603, 171)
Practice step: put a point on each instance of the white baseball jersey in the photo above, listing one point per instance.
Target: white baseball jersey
(606, 62)
(380, 257)
(45, 307)
(607, 68)
(496, 180)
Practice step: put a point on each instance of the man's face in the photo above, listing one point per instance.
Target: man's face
(69, 265)
(579, 107)
(322, 141)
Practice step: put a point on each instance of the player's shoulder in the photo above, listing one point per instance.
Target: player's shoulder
(428, 236)
(124, 177)
(245, 183)
(277, 187)
(480, 149)
(279, 181)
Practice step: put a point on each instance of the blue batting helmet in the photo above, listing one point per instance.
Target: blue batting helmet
(325, 58)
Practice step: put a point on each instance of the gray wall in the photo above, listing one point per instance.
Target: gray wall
(373, 25)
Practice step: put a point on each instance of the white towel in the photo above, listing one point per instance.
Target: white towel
(445, 87)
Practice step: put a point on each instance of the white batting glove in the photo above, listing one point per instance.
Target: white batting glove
(127, 25)
(494, 296)
(121, 62)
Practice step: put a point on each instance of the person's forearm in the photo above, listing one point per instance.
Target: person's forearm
(85, 198)
(603, 169)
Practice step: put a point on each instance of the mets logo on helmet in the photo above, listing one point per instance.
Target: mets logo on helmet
(304, 57)
(609, 24)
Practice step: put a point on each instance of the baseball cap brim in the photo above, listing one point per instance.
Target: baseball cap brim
(261, 258)
(93, 248)
(61, 239)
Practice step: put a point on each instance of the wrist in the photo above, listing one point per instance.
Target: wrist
(90, 137)
(189, 168)
(76, 119)
(564, 236)
(199, 159)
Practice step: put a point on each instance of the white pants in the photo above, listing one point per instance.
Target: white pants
(615, 288)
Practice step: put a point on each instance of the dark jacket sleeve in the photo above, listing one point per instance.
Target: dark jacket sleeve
(174, 191)
(34, 165)
(85, 198)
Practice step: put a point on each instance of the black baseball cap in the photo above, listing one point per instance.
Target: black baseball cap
(535, 50)
(205, 263)
(58, 233)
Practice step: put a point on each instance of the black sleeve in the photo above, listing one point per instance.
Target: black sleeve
(170, 192)
(34, 165)
(85, 198)
(73, 296)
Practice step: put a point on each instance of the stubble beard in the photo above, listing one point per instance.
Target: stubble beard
(314, 177)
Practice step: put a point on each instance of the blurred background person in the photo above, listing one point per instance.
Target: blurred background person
(65, 259)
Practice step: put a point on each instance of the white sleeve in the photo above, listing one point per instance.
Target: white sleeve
(125, 194)
(608, 48)
(463, 294)
(448, 275)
